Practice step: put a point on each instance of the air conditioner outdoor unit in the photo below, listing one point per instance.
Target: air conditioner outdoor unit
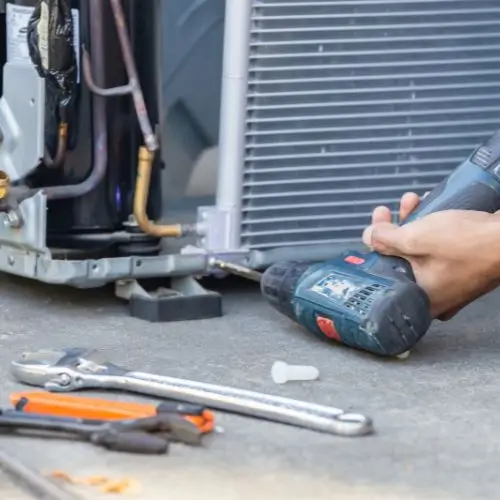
(331, 108)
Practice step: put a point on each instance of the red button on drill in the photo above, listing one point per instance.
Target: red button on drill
(327, 328)
(352, 259)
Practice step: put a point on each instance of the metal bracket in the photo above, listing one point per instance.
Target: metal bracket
(216, 230)
(22, 115)
(31, 234)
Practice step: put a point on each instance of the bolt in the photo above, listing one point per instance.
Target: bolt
(11, 260)
(64, 379)
(12, 220)
(131, 221)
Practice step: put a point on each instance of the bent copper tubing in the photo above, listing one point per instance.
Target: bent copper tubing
(94, 88)
(95, 65)
(136, 90)
(147, 152)
(100, 135)
(144, 166)
(133, 87)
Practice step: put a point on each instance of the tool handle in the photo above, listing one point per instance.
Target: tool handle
(44, 403)
(12, 419)
(243, 402)
(127, 441)
(474, 185)
(131, 442)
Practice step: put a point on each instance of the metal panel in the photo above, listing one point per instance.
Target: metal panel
(351, 103)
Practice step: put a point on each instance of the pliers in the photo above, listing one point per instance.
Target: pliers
(61, 405)
(149, 435)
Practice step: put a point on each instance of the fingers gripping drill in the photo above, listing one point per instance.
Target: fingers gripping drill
(366, 300)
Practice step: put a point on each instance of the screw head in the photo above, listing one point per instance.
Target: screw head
(12, 220)
(64, 379)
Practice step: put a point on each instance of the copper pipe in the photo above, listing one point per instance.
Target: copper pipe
(4, 185)
(136, 90)
(147, 152)
(62, 147)
(144, 167)
(96, 89)
(99, 127)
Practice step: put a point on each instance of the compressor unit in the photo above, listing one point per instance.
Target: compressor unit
(319, 112)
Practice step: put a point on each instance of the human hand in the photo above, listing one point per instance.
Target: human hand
(454, 254)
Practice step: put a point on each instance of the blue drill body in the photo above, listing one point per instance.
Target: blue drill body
(369, 301)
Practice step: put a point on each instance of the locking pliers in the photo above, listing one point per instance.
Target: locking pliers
(150, 435)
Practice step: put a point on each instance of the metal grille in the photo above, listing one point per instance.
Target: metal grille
(353, 102)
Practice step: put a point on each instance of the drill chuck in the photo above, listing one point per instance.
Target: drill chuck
(279, 283)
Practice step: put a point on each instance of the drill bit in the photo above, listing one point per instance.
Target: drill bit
(236, 269)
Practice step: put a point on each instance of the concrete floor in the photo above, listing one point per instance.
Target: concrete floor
(436, 414)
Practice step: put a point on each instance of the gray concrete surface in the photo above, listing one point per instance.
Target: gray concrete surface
(11, 490)
(436, 414)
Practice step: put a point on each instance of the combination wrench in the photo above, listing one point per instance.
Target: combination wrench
(78, 368)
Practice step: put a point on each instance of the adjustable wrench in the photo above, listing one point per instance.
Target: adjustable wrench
(79, 368)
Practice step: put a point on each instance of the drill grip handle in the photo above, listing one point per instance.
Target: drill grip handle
(477, 196)
(473, 185)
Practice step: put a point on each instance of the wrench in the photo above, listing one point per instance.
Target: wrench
(78, 368)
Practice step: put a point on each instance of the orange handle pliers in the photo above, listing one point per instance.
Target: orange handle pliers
(61, 405)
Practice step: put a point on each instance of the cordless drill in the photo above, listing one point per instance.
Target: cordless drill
(370, 301)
